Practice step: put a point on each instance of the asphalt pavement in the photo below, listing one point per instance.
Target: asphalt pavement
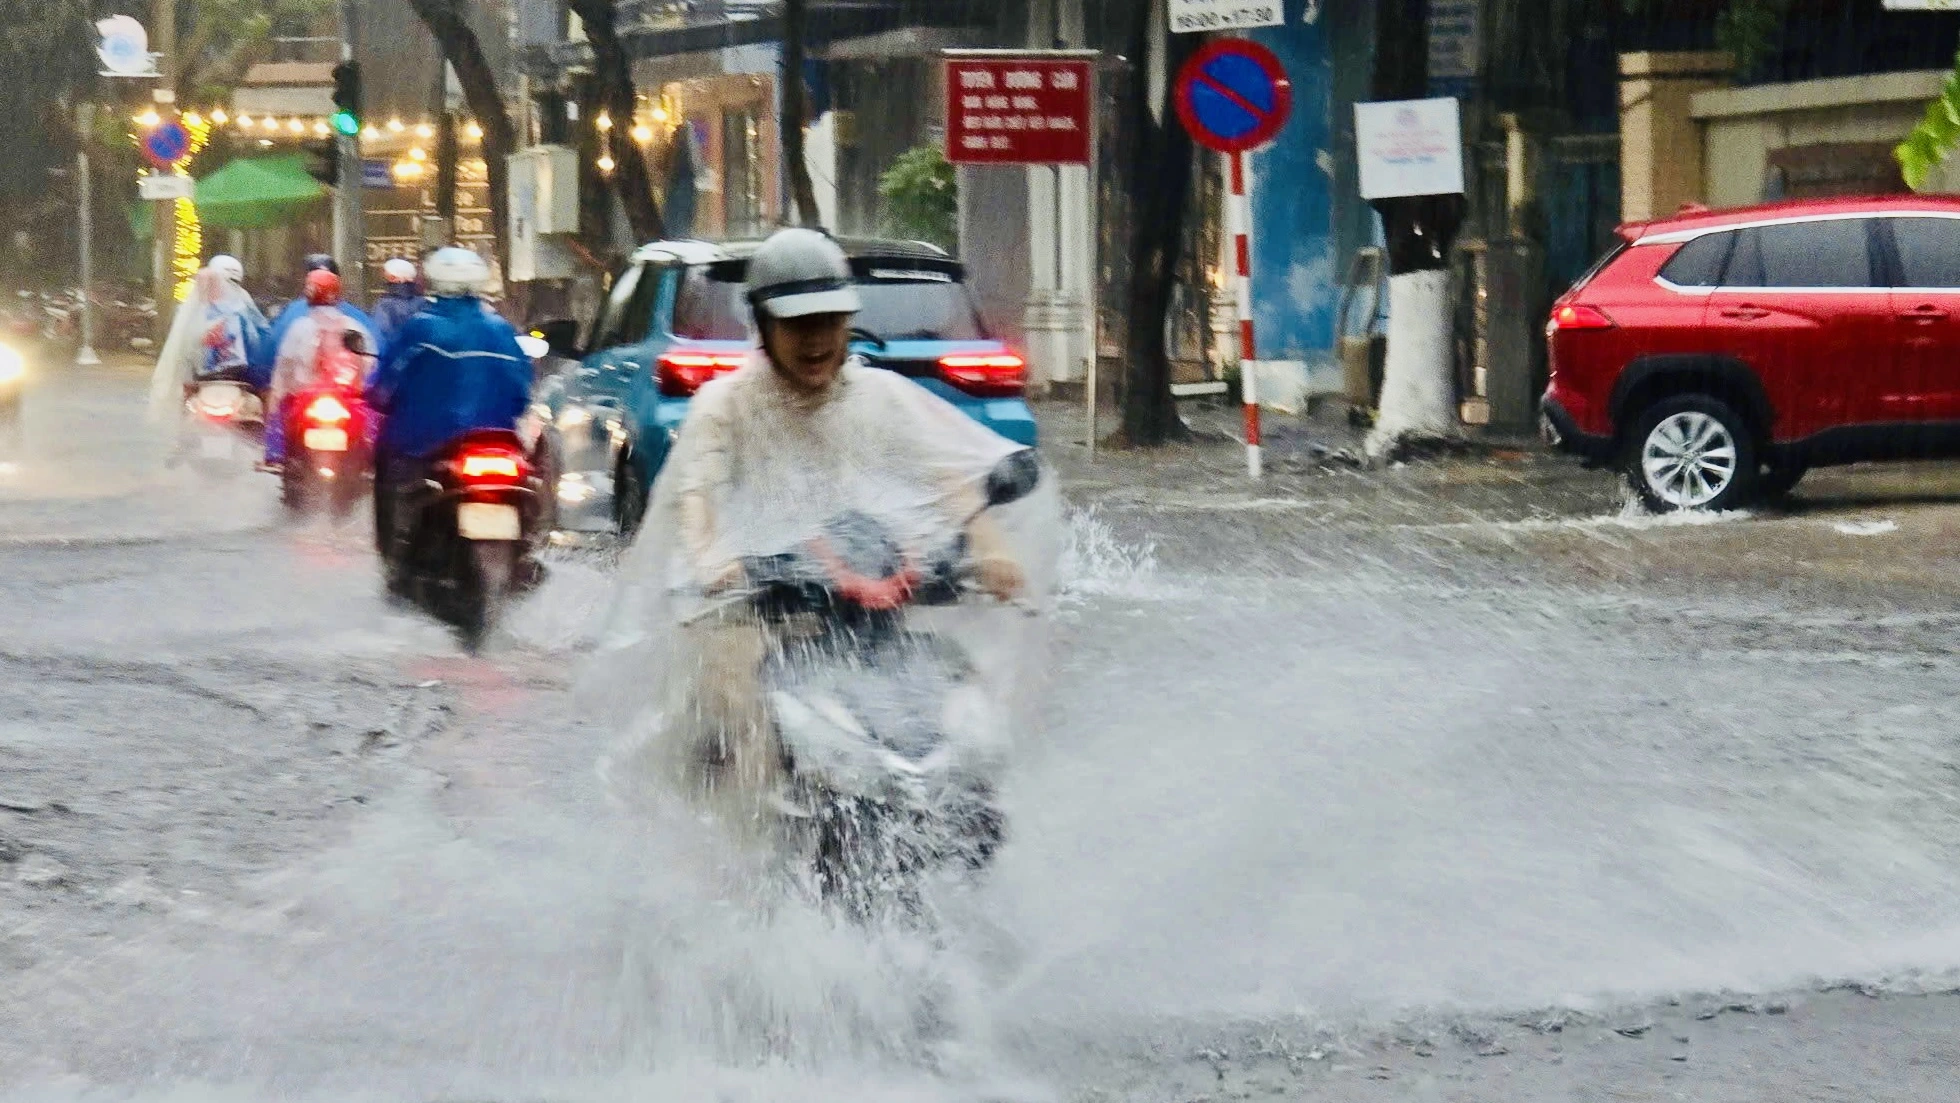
(1459, 780)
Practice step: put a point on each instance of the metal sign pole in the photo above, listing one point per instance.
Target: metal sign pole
(1239, 223)
(1093, 298)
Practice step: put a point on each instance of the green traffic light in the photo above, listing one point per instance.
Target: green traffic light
(346, 123)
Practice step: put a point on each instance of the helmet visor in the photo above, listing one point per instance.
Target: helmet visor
(807, 297)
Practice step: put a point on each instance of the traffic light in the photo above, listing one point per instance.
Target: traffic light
(347, 98)
(323, 160)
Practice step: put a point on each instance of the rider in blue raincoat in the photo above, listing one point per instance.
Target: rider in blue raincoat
(452, 368)
(401, 301)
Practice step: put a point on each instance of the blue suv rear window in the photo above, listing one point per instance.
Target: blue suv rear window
(904, 300)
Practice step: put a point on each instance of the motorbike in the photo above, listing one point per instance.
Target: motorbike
(329, 437)
(882, 725)
(223, 414)
(463, 533)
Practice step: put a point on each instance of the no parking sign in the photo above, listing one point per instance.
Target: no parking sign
(1234, 96)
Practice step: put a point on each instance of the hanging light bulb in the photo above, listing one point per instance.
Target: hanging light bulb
(193, 120)
(660, 114)
(417, 154)
(370, 132)
(643, 134)
(149, 117)
(296, 126)
(245, 122)
(424, 131)
(395, 126)
(603, 122)
(219, 117)
(320, 129)
(474, 130)
(605, 162)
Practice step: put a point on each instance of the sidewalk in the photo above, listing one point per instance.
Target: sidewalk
(1313, 458)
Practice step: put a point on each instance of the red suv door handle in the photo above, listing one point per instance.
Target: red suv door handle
(1745, 311)
(1924, 313)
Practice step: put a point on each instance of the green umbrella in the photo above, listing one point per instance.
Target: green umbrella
(255, 192)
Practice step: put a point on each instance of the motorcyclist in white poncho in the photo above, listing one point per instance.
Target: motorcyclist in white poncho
(769, 453)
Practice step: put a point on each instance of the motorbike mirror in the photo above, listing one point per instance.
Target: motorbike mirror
(1013, 478)
(560, 335)
(534, 347)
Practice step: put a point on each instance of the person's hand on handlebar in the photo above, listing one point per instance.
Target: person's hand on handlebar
(726, 578)
(1000, 576)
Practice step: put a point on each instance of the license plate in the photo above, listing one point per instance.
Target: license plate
(325, 440)
(215, 448)
(488, 521)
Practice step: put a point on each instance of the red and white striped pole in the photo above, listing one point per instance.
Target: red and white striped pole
(1238, 213)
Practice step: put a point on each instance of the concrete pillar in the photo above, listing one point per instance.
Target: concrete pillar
(1061, 245)
(1660, 142)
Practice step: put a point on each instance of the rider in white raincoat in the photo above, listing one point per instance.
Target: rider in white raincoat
(769, 454)
(214, 333)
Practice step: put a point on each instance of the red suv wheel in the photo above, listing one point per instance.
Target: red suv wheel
(1692, 451)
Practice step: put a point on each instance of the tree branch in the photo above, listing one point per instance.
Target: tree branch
(613, 73)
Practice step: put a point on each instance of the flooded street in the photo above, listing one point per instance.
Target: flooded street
(1455, 781)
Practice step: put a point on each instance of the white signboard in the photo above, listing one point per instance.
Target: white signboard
(172, 186)
(1922, 5)
(1192, 16)
(1409, 147)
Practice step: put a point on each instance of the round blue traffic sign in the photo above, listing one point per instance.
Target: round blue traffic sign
(166, 143)
(1233, 95)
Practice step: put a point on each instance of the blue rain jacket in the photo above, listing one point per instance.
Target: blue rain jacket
(451, 368)
(394, 309)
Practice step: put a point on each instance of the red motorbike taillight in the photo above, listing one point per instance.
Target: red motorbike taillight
(486, 465)
(682, 372)
(327, 410)
(986, 375)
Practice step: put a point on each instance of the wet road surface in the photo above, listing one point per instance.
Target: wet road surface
(1444, 782)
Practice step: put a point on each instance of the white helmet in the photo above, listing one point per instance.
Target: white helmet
(454, 271)
(398, 270)
(228, 266)
(800, 272)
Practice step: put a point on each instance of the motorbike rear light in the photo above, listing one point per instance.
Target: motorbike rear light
(490, 467)
(1578, 316)
(682, 371)
(987, 375)
(327, 410)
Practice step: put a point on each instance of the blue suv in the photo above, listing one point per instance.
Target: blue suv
(677, 315)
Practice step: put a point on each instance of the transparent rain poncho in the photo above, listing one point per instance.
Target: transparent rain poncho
(759, 469)
(213, 331)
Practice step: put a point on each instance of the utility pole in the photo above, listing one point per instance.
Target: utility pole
(85, 222)
(440, 229)
(349, 233)
(163, 212)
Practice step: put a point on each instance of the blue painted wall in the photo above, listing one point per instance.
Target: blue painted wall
(1304, 207)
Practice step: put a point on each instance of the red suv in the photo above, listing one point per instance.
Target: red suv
(1718, 355)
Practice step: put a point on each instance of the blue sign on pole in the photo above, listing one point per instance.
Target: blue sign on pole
(377, 174)
(1233, 95)
(167, 143)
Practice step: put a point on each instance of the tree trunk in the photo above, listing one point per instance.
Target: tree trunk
(460, 48)
(613, 73)
(796, 17)
(1418, 388)
(1161, 195)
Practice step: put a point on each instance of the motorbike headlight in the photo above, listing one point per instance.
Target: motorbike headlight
(13, 366)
